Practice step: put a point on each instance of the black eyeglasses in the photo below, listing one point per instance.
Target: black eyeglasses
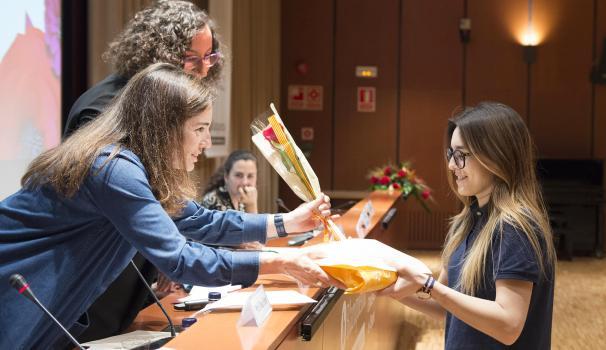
(459, 157)
(209, 59)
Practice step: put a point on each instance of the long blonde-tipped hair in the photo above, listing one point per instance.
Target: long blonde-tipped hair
(147, 118)
(499, 140)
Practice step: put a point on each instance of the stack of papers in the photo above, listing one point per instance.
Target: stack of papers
(235, 301)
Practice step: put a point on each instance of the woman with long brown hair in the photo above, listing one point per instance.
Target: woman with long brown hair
(120, 185)
(495, 289)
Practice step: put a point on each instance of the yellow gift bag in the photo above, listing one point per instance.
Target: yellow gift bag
(361, 279)
(360, 269)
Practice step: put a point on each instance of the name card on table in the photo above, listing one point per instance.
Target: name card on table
(256, 309)
(363, 224)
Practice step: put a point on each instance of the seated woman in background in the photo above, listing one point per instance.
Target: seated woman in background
(118, 185)
(234, 185)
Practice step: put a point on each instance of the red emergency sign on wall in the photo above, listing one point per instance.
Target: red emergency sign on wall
(307, 134)
(367, 99)
(305, 97)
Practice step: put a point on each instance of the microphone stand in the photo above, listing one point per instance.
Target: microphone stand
(18, 282)
(170, 322)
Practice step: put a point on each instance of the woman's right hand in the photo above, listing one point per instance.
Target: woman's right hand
(248, 197)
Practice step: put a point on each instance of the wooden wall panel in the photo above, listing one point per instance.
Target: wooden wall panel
(431, 88)
(366, 34)
(425, 73)
(495, 70)
(307, 36)
(599, 131)
(560, 110)
(599, 125)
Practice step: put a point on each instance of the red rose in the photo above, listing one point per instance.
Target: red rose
(385, 180)
(426, 193)
(270, 135)
(402, 173)
(374, 180)
(387, 171)
(396, 186)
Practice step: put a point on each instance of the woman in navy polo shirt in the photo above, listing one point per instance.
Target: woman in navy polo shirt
(495, 289)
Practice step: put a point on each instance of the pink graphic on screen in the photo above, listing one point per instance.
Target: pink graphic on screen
(30, 89)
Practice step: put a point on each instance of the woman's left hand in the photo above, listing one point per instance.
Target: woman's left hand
(304, 218)
(412, 273)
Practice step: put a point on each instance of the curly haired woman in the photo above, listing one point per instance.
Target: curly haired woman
(175, 32)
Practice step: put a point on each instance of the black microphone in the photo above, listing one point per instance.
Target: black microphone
(170, 322)
(18, 282)
(391, 213)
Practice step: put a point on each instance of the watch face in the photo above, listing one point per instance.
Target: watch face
(423, 295)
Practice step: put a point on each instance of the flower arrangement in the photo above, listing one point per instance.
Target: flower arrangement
(402, 178)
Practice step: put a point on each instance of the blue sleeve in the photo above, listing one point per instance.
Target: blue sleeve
(122, 193)
(225, 227)
(513, 256)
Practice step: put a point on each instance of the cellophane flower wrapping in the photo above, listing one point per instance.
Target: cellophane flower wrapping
(279, 148)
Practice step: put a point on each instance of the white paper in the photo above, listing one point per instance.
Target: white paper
(199, 293)
(127, 341)
(236, 300)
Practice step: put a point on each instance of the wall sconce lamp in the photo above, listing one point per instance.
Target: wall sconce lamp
(465, 29)
(529, 53)
(530, 41)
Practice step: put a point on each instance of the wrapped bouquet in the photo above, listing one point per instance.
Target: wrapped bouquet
(358, 271)
(278, 147)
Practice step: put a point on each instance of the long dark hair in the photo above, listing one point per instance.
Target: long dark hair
(147, 118)
(218, 178)
(161, 33)
(500, 141)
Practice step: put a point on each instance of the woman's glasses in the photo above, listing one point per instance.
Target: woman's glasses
(209, 60)
(459, 157)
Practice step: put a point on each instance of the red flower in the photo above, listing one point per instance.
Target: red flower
(385, 180)
(402, 173)
(387, 171)
(374, 180)
(426, 193)
(270, 135)
(396, 186)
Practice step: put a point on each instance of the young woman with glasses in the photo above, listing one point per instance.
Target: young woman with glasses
(495, 289)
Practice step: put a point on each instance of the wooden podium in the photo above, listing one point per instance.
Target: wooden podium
(358, 321)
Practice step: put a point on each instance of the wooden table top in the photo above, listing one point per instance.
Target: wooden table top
(219, 330)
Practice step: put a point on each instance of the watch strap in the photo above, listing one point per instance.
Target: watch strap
(279, 223)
